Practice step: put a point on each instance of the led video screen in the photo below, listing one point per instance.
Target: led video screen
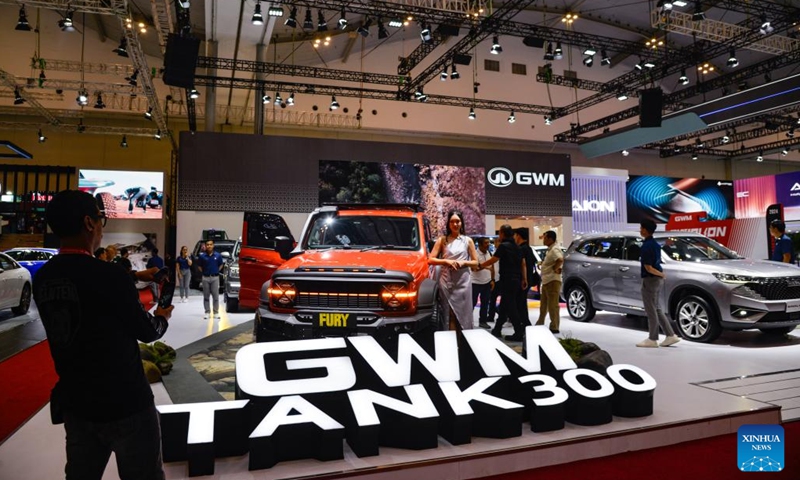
(656, 198)
(436, 188)
(125, 194)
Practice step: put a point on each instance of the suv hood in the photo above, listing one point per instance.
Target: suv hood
(413, 262)
(756, 268)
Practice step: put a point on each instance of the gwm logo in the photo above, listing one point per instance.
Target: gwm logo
(306, 398)
(503, 177)
(796, 187)
(593, 206)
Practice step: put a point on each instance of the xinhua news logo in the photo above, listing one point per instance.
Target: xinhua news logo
(760, 448)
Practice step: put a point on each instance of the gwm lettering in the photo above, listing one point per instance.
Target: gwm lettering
(502, 177)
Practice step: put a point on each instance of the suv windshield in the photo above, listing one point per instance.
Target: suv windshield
(694, 249)
(331, 231)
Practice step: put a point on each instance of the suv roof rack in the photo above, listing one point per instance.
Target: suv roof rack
(332, 207)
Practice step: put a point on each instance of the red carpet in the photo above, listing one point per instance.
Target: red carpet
(708, 459)
(25, 383)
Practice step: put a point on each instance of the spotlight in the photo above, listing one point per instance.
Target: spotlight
(290, 100)
(382, 33)
(694, 156)
(588, 61)
(443, 75)
(559, 52)
(425, 33)
(727, 137)
(760, 157)
(157, 136)
(590, 51)
(275, 11)
(22, 23)
(83, 97)
(18, 100)
(308, 23)
(265, 99)
(784, 151)
(496, 48)
(342, 21)
(699, 15)
(622, 96)
(334, 103)
(132, 79)
(66, 24)
(122, 49)
(790, 133)
(699, 143)
(292, 20)
(664, 6)
(149, 113)
(649, 64)
(604, 58)
(278, 98)
(454, 75)
(99, 103)
(258, 19)
(548, 54)
(395, 23)
(732, 60)
(420, 95)
(548, 120)
(639, 66)
(625, 153)
(185, 4)
(683, 78)
(363, 30)
(42, 138)
(471, 115)
(124, 142)
(511, 117)
(322, 25)
(766, 26)
(194, 94)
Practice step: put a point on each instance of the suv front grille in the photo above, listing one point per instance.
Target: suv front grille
(777, 288)
(338, 295)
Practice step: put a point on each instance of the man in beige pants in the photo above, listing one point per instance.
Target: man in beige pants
(551, 281)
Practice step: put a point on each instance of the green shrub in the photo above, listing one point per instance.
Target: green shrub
(572, 346)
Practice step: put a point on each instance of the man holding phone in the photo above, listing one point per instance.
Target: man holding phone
(90, 310)
(210, 263)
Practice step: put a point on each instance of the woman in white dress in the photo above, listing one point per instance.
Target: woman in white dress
(456, 253)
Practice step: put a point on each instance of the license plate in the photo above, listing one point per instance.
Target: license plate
(335, 320)
(793, 306)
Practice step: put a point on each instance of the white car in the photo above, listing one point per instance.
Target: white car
(15, 286)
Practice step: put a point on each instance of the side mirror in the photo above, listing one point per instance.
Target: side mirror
(226, 255)
(283, 245)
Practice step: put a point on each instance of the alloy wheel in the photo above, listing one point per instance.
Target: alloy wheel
(577, 303)
(693, 319)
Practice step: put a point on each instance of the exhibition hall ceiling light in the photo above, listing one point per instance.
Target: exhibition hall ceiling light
(443, 75)
(132, 79)
(569, 17)
(149, 113)
(292, 20)
(471, 115)
(625, 153)
(278, 99)
(683, 78)
(290, 100)
(694, 156)
(41, 137)
(604, 58)
(308, 23)
(342, 20)
(766, 26)
(727, 137)
(511, 117)
(588, 60)
(124, 142)
(334, 103)
(363, 30)
(265, 99)
(699, 15)
(496, 48)
(194, 94)
(654, 43)
(732, 60)
(65, 24)
(275, 11)
(395, 22)
(559, 52)
(425, 33)
(454, 75)
(22, 22)
(420, 95)
(18, 100)
(382, 33)
(140, 25)
(322, 24)
(157, 136)
(258, 19)
(548, 53)
(760, 157)
(83, 97)
(705, 68)
(622, 96)
(99, 104)
(122, 49)
(322, 41)
(548, 120)
(785, 151)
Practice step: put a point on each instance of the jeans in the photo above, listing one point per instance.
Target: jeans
(183, 283)
(651, 295)
(135, 440)
(549, 304)
(211, 285)
(483, 292)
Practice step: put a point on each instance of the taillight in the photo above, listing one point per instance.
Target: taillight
(282, 294)
(397, 296)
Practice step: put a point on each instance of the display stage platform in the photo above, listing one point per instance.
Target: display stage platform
(682, 412)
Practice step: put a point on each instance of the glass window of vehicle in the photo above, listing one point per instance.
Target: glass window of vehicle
(633, 249)
(262, 230)
(6, 263)
(329, 231)
(586, 247)
(608, 247)
(694, 249)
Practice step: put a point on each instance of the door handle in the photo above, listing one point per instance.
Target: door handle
(624, 269)
(248, 259)
(586, 264)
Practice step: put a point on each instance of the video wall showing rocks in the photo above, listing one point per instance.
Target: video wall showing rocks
(438, 189)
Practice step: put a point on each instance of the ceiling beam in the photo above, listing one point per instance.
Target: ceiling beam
(10, 81)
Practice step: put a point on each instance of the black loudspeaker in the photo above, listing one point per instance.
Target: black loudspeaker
(448, 30)
(650, 105)
(180, 59)
(461, 59)
(533, 42)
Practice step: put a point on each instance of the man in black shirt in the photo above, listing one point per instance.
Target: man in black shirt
(521, 239)
(91, 312)
(513, 281)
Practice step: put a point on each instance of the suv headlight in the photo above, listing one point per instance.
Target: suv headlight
(396, 296)
(282, 294)
(234, 272)
(737, 279)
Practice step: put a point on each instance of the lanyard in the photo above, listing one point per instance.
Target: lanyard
(74, 251)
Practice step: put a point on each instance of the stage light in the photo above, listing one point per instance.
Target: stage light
(157, 136)
(471, 115)
(132, 79)
(342, 21)
(334, 103)
(622, 96)
(727, 137)
(308, 23)
(694, 156)
(18, 100)
(275, 11)
(732, 61)
(511, 117)
(99, 102)
(194, 94)
(395, 23)
(604, 58)
(699, 15)
(290, 100)
(496, 48)
(363, 30)
(292, 20)
(322, 24)
(443, 75)
(83, 97)
(278, 99)
(382, 33)
(766, 26)
(42, 138)
(425, 33)
(454, 75)
(258, 19)
(559, 52)
(760, 157)
(625, 153)
(22, 22)
(683, 78)
(124, 142)
(588, 61)
(122, 49)
(548, 53)
(149, 113)
(590, 51)
(548, 120)
(65, 23)
(265, 99)
(785, 151)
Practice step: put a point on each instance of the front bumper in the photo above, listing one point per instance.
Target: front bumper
(290, 326)
(745, 312)
(232, 288)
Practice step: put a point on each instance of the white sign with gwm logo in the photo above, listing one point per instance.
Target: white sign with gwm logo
(303, 399)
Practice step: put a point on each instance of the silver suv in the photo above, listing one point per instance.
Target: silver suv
(708, 288)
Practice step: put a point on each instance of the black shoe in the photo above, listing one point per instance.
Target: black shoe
(514, 338)
(497, 334)
(484, 325)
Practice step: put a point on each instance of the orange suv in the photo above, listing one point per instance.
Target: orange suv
(358, 269)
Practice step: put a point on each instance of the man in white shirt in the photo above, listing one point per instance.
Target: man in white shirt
(551, 281)
(482, 282)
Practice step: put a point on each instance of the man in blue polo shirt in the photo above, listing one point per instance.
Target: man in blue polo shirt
(784, 250)
(652, 286)
(210, 263)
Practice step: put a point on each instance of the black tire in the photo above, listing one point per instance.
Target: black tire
(697, 320)
(579, 303)
(231, 304)
(777, 331)
(24, 301)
